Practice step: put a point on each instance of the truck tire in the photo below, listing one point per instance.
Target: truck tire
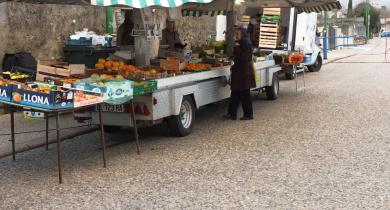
(317, 65)
(272, 92)
(181, 125)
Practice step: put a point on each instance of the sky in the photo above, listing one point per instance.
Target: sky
(355, 2)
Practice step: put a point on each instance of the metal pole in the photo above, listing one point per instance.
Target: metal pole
(102, 138)
(325, 39)
(59, 161)
(294, 33)
(13, 133)
(109, 20)
(47, 130)
(134, 122)
(366, 19)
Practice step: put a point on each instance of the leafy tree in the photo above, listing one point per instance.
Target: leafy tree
(359, 11)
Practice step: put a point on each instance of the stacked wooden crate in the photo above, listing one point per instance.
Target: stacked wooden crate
(269, 30)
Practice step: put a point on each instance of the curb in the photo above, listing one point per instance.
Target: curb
(337, 59)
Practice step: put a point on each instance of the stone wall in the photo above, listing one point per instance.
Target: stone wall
(42, 29)
(3, 30)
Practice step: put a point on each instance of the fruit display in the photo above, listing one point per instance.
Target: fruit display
(113, 65)
(16, 76)
(196, 67)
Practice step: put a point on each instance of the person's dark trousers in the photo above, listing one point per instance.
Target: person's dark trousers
(246, 101)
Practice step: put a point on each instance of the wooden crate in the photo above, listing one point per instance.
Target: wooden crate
(57, 69)
(173, 64)
(272, 11)
(245, 19)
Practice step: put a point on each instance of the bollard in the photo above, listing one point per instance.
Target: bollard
(325, 47)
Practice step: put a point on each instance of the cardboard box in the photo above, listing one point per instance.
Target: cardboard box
(84, 98)
(57, 69)
(53, 100)
(113, 91)
(5, 91)
(173, 64)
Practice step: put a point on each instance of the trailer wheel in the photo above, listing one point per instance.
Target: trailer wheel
(181, 125)
(272, 92)
(317, 65)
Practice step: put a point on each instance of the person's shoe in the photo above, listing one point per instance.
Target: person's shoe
(246, 118)
(229, 117)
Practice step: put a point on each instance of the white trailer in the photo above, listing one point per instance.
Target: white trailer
(177, 98)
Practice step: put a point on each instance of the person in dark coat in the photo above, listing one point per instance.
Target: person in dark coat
(242, 77)
(124, 37)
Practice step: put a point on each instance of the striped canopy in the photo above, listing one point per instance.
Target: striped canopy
(198, 13)
(146, 3)
(320, 8)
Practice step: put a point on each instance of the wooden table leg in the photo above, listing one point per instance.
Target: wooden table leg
(59, 161)
(12, 113)
(102, 138)
(47, 130)
(134, 122)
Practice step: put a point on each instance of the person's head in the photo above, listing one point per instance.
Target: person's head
(239, 33)
(129, 16)
(170, 24)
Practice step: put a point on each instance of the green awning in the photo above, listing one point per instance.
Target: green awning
(146, 3)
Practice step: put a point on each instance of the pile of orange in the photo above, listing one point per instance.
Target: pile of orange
(197, 67)
(113, 65)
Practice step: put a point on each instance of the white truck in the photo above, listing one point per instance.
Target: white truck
(177, 98)
(304, 39)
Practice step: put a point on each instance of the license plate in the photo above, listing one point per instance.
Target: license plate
(112, 108)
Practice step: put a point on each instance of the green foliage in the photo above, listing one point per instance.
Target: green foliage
(359, 11)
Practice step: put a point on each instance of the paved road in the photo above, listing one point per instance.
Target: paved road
(326, 149)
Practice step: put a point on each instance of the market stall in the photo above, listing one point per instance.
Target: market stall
(145, 92)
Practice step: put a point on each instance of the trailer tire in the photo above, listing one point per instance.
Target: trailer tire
(316, 67)
(181, 125)
(272, 92)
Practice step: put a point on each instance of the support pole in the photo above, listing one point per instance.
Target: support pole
(109, 20)
(102, 138)
(367, 22)
(47, 130)
(134, 122)
(59, 161)
(325, 35)
(13, 133)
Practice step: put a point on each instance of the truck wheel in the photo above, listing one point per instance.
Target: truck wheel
(272, 92)
(317, 65)
(181, 125)
(111, 129)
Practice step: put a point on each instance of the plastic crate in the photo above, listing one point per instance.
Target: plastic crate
(87, 55)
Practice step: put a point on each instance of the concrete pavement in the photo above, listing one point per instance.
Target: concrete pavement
(325, 149)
